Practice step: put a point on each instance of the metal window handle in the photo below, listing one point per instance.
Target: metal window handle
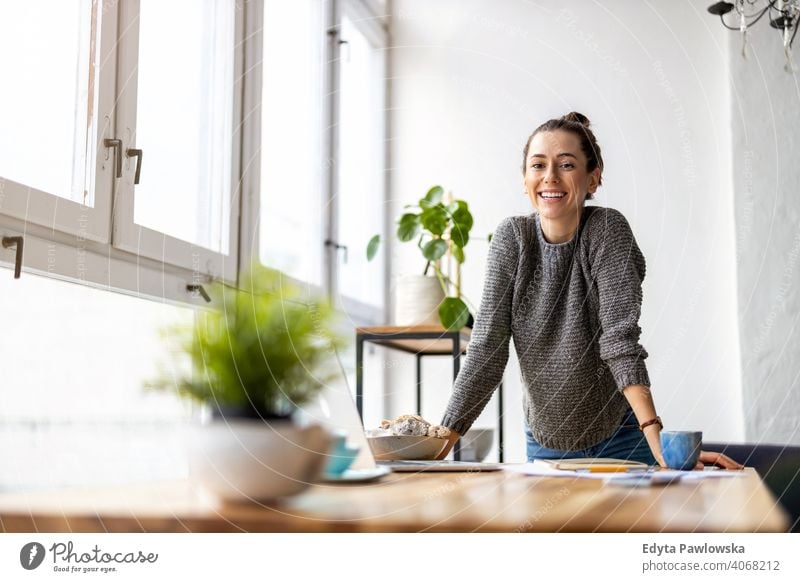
(15, 241)
(347, 46)
(117, 146)
(200, 290)
(136, 153)
(338, 247)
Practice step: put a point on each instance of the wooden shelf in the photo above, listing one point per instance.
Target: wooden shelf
(428, 340)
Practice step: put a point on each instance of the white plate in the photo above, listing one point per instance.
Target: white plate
(359, 475)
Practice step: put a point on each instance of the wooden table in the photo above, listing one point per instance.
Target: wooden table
(405, 502)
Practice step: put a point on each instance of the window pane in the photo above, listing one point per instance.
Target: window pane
(48, 96)
(185, 119)
(292, 133)
(361, 164)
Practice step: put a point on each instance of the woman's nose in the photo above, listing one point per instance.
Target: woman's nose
(551, 175)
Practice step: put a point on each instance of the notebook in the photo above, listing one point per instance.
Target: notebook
(596, 464)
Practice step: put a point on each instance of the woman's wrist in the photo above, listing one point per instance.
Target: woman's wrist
(655, 421)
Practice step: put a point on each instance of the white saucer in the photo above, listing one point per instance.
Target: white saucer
(359, 475)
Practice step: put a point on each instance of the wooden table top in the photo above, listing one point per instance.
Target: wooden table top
(396, 336)
(405, 502)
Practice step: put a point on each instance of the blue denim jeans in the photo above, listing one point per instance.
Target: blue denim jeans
(627, 442)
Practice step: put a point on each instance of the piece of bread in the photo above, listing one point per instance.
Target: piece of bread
(440, 432)
(414, 425)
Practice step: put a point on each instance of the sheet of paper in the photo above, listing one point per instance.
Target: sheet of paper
(542, 469)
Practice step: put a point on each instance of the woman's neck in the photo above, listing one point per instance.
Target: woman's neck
(559, 231)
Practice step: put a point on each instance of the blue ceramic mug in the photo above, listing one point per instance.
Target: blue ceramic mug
(681, 448)
(340, 456)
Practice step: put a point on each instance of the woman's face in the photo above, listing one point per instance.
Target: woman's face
(556, 179)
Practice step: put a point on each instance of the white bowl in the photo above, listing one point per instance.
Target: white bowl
(405, 448)
(476, 444)
(252, 460)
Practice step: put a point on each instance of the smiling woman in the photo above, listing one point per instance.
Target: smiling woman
(566, 283)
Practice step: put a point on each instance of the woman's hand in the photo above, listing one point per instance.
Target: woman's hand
(718, 459)
(451, 440)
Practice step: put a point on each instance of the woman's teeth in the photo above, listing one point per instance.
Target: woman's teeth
(552, 194)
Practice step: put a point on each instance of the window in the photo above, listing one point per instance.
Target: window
(293, 133)
(323, 155)
(54, 110)
(141, 135)
(360, 194)
(177, 104)
(105, 95)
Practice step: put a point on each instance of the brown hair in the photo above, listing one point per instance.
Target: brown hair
(577, 124)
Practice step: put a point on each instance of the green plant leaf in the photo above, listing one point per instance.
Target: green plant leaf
(408, 227)
(459, 235)
(453, 313)
(455, 206)
(372, 246)
(458, 253)
(435, 219)
(434, 249)
(433, 197)
(463, 217)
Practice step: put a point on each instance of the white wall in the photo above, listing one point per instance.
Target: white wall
(766, 151)
(472, 79)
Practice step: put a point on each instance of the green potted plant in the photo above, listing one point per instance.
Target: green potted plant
(260, 353)
(441, 230)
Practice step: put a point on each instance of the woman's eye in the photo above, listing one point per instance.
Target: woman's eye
(538, 166)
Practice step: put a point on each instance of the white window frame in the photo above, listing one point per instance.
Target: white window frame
(363, 15)
(33, 206)
(138, 239)
(92, 246)
(376, 29)
(123, 257)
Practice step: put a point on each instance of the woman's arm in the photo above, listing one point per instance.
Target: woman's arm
(487, 353)
(618, 269)
(641, 401)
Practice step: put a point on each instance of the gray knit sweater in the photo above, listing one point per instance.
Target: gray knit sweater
(573, 311)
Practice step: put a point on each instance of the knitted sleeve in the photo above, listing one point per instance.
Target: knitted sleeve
(617, 268)
(487, 353)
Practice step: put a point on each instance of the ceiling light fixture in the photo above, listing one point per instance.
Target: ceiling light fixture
(784, 16)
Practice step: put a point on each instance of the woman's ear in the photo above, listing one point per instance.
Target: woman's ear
(594, 181)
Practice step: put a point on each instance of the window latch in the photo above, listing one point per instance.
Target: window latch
(199, 290)
(136, 153)
(338, 247)
(116, 145)
(15, 241)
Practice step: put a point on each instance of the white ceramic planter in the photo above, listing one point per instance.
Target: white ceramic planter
(416, 300)
(252, 460)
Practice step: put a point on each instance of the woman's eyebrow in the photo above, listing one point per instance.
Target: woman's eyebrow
(562, 154)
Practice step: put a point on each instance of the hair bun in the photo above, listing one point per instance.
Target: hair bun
(576, 117)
